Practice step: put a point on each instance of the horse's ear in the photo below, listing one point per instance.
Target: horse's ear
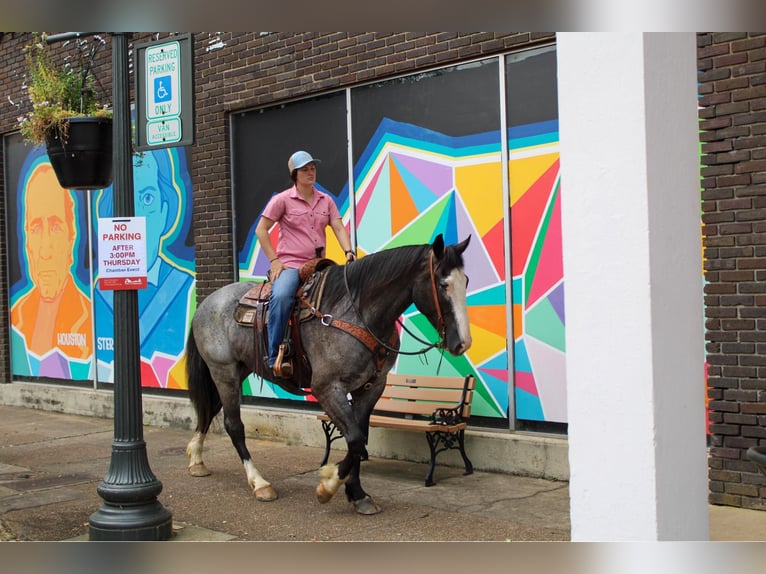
(438, 246)
(460, 247)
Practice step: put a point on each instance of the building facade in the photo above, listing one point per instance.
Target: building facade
(419, 134)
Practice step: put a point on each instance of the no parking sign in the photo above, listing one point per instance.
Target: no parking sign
(122, 253)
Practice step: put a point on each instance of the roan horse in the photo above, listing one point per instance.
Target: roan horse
(347, 375)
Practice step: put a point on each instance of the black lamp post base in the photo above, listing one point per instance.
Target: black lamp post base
(128, 522)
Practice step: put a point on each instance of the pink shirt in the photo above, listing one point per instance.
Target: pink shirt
(301, 226)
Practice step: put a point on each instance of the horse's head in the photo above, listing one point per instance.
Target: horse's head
(441, 295)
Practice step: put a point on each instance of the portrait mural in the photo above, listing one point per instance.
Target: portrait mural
(51, 316)
(163, 196)
(62, 324)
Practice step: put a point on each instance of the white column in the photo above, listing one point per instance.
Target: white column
(633, 280)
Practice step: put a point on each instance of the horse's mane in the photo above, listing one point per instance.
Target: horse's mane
(380, 269)
(375, 269)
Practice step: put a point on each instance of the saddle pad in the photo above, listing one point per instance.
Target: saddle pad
(256, 299)
(257, 294)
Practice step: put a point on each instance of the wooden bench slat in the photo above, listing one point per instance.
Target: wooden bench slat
(431, 381)
(412, 424)
(420, 394)
(420, 407)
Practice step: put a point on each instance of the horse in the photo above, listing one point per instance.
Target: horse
(351, 345)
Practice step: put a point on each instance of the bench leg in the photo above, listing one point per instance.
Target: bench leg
(432, 442)
(461, 446)
(329, 429)
(448, 441)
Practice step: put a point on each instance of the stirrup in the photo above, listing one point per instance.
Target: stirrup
(283, 368)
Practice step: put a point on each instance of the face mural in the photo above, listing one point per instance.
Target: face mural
(58, 330)
(49, 227)
(51, 319)
(162, 195)
(149, 203)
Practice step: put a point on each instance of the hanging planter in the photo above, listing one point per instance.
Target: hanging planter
(83, 160)
(66, 117)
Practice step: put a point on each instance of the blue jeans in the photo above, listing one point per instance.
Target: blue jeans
(280, 305)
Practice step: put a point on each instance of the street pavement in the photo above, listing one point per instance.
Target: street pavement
(52, 463)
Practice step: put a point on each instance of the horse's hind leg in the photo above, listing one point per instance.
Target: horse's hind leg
(194, 453)
(232, 422)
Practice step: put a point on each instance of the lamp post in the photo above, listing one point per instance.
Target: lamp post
(130, 509)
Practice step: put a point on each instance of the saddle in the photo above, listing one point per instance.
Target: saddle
(252, 312)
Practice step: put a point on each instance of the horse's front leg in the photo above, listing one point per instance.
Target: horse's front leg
(347, 472)
(353, 420)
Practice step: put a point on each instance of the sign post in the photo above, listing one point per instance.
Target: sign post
(130, 509)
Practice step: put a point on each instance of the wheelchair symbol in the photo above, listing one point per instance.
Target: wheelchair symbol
(163, 89)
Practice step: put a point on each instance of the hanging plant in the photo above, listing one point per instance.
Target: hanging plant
(67, 117)
(59, 92)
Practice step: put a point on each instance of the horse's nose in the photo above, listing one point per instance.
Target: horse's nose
(463, 347)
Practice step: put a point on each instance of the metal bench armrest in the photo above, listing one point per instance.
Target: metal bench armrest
(446, 417)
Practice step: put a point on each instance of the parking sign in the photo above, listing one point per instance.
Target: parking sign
(163, 73)
(165, 93)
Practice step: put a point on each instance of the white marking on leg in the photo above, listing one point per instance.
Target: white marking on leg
(330, 479)
(254, 478)
(194, 449)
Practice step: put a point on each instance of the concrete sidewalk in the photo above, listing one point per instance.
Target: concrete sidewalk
(51, 464)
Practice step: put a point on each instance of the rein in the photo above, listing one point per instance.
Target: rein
(440, 319)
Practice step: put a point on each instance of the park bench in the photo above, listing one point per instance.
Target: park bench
(436, 406)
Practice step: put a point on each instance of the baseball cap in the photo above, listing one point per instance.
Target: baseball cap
(299, 159)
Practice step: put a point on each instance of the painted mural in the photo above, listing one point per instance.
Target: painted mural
(163, 195)
(413, 184)
(61, 326)
(51, 316)
(538, 274)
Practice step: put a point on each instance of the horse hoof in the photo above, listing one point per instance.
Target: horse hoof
(323, 495)
(199, 469)
(266, 494)
(366, 505)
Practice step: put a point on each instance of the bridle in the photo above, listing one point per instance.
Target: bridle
(440, 324)
(441, 327)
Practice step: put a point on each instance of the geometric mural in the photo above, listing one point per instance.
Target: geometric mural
(411, 183)
(538, 278)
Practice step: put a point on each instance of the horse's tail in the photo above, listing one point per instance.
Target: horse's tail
(202, 392)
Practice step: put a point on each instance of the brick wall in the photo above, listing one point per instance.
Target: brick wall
(732, 87)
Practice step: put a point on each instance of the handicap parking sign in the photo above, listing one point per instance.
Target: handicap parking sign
(163, 89)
